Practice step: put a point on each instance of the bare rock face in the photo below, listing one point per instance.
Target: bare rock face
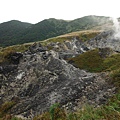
(43, 78)
(104, 40)
(75, 46)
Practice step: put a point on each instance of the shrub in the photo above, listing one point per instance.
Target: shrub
(115, 77)
(57, 113)
(90, 61)
(4, 108)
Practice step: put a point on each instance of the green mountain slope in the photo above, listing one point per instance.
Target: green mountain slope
(45, 29)
(11, 31)
(16, 32)
(86, 22)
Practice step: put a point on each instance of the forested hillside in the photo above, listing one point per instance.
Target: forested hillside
(16, 32)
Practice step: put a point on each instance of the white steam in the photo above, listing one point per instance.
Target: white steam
(116, 27)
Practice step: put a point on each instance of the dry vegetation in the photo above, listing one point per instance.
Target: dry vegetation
(82, 35)
(5, 52)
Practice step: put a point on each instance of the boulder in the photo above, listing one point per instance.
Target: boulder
(15, 57)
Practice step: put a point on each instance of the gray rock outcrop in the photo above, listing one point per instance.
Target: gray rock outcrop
(43, 78)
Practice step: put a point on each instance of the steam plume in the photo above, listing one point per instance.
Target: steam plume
(116, 27)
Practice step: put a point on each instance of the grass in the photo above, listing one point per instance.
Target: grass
(4, 108)
(55, 113)
(93, 61)
(82, 35)
(88, 35)
(90, 61)
(54, 40)
(115, 78)
(5, 52)
(110, 111)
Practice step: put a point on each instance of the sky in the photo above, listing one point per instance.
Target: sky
(34, 11)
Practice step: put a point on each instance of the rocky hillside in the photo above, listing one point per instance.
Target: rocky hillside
(45, 74)
(16, 32)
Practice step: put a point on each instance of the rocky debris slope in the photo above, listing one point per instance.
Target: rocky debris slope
(74, 47)
(43, 78)
(103, 40)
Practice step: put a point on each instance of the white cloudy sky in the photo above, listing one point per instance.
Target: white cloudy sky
(34, 11)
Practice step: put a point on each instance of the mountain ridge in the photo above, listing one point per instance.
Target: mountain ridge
(45, 29)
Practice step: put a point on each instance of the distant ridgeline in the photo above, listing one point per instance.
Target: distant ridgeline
(16, 32)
